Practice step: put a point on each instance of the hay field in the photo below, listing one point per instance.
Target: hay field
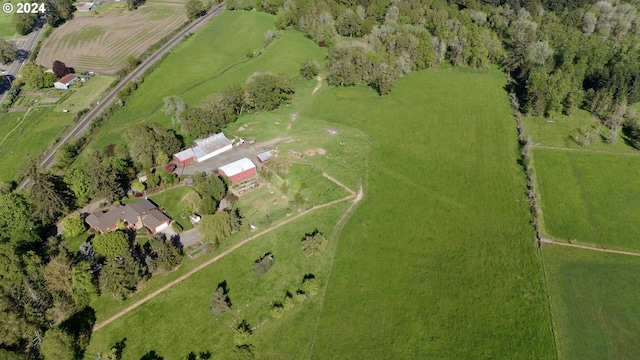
(102, 43)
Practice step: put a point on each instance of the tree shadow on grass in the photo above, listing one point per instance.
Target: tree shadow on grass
(203, 355)
(80, 326)
(151, 355)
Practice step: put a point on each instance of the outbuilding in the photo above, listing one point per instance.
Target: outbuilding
(214, 145)
(65, 81)
(238, 170)
(265, 156)
(184, 157)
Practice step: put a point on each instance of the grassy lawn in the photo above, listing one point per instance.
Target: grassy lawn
(560, 132)
(438, 261)
(32, 133)
(594, 298)
(84, 96)
(170, 201)
(7, 29)
(589, 197)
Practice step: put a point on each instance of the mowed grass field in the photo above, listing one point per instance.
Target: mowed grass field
(7, 29)
(209, 61)
(438, 262)
(590, 198)
(594, 298)
(28, 133)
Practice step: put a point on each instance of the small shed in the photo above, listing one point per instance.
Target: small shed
(265, 156)
(185, 157)
(238, 170)
(65, 81)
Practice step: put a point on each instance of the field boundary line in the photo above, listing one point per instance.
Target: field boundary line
(586, 247)
(584, 150)
(336, 230)
(211, 261)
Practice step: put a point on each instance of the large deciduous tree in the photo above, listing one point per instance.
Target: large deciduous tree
(73, 225)
(216, 227)
(194, 9)
(78, 182)
(266, 91)
(60, 69)
(8, 51)
(24, 22)
(147, 141)
(57, 344)
(111, 244)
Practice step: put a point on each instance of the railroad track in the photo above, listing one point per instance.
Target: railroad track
(83, 125)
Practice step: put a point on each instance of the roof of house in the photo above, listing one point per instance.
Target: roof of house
(185, 154)
(211, 144)
(67, 78)
(237, 167)
(265, 155)
(144, 210)
(154, 218)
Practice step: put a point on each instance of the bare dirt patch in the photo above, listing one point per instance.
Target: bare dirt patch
(102, 43)
(314, 152)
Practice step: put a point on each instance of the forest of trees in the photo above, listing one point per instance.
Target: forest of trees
(560, 55)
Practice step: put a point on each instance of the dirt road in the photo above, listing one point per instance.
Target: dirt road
(551, 241)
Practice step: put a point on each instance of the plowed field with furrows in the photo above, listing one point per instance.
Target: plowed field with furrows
(103, 43)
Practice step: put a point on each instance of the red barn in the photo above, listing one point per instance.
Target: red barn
(185, 157)
(238, 170)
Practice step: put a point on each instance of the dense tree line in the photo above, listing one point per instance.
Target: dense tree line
(560, 55)
(261, 91)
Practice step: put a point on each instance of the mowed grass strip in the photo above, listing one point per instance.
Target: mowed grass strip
(594, 298)
(590, 198)
(37, 130)
(438, 262)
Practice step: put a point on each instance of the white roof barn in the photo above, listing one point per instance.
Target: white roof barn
(65, 81)
(211, 146)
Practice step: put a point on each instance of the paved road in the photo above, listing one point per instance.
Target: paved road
(83, 125)
(25, 46)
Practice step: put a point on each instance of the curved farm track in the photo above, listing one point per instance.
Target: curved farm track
(102, 43)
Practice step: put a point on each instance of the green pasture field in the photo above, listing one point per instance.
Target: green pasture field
(171, 201)
(178, 321)
(561, 130)
(209, 64)
(594, 299)
(590, 198)
(32, 132)
(7, 29)
(439, 259)
(84, 96)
